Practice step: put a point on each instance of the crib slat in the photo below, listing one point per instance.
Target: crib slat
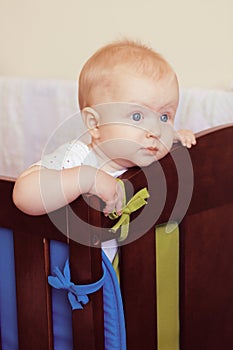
(48, 293)
(86, 267)
(206, 302)
(139, 292)
(87, 323)
(31, 286)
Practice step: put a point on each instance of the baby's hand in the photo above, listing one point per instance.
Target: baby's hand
(186, 137)
(115, 204)
(110, 191)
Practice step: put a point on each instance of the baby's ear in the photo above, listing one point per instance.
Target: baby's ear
(91, 121)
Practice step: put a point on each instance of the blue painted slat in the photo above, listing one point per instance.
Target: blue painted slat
(8, 309)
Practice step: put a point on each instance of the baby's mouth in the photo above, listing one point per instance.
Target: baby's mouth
(152, 149)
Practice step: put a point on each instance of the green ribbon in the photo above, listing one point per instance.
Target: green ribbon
(135, 203)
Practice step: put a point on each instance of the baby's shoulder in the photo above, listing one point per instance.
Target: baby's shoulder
(68, 155)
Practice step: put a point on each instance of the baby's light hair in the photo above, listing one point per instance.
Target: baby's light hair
(133, 56)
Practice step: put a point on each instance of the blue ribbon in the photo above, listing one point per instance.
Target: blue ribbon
(77, 294)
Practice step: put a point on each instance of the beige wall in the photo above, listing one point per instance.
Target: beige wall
(52, 38)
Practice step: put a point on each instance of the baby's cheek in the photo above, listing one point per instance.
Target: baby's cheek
(167, 141)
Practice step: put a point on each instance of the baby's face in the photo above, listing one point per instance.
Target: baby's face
(136, 127)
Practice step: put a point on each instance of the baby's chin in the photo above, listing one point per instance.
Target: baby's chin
(148, 161)
(143, 161)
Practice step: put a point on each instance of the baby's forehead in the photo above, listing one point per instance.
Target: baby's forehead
(134, 90)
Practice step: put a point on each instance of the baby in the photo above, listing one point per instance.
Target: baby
(128, 96)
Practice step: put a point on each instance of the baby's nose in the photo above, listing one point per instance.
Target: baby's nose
(154, 129)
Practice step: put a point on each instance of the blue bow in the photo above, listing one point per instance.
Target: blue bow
(77, 294)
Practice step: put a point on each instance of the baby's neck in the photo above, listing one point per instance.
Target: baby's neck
(106, 164)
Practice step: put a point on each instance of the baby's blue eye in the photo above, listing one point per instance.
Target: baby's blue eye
(164, 118)
(136, 116)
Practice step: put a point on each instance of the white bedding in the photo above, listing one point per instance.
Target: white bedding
(203, 109)
(32, 110)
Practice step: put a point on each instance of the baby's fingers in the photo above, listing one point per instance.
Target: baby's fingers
(114, 205)
(120, 200)
(109, 207)
(189, 141)
(187, 138)
(117, 203)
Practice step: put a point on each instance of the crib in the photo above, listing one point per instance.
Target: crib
(205, 240)
(176, 280)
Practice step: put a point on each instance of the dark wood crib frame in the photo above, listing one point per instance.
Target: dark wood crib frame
(206, 241)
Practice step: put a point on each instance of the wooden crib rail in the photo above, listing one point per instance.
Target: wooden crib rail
(206, 240)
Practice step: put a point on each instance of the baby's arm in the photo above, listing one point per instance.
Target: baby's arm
(186, 137)
(41, 190)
